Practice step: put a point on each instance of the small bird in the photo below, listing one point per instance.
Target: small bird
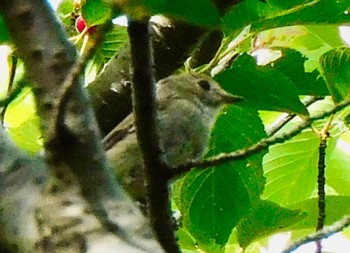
(187, 106)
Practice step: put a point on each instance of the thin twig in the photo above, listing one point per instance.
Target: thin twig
(74, 74)
(282, 121)
(14, 93)
(321, 181)
(144, 108)
(321, 234)
(89, 193)
(259, 146)
(14, 61)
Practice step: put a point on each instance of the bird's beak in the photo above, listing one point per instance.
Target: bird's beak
(231, 99)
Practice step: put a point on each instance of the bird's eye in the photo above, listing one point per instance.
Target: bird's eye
(204, 85)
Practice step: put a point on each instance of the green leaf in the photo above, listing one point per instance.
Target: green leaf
(21, 109)
(245, 13)
(291, 171)
(327, 34)
(263, 16)
(285, 5)
(291, 168)
(291, 65)
(335, 68)
(262, 87)
(336, 208)
(328, 12)
(201, 12)
(265, 219)
(347, 120)
(96, 12)
(4, 35)
(215, 199)
(185, 239)
(311, 40)
(28, 136)
(337, 168)
(113, 41)
(65, 14)
(22, 122)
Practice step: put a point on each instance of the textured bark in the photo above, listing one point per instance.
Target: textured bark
(67, 201)
(173, 43)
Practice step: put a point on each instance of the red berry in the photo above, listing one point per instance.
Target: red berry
(92, 29)
(80, 24)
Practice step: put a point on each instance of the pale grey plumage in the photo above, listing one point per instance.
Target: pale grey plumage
(187, 108)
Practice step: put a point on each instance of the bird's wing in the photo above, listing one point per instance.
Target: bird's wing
(123, 129)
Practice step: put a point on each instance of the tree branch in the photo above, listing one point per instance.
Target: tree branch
(48, 57)
(22, 180)
(321, 180)
(259, 146)
(14, 66)
(173, 42)
(72, 79)
(284, 119)
(145, 116)
(12, 95)
(77, 154)
(321, 234)
(321, 183)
